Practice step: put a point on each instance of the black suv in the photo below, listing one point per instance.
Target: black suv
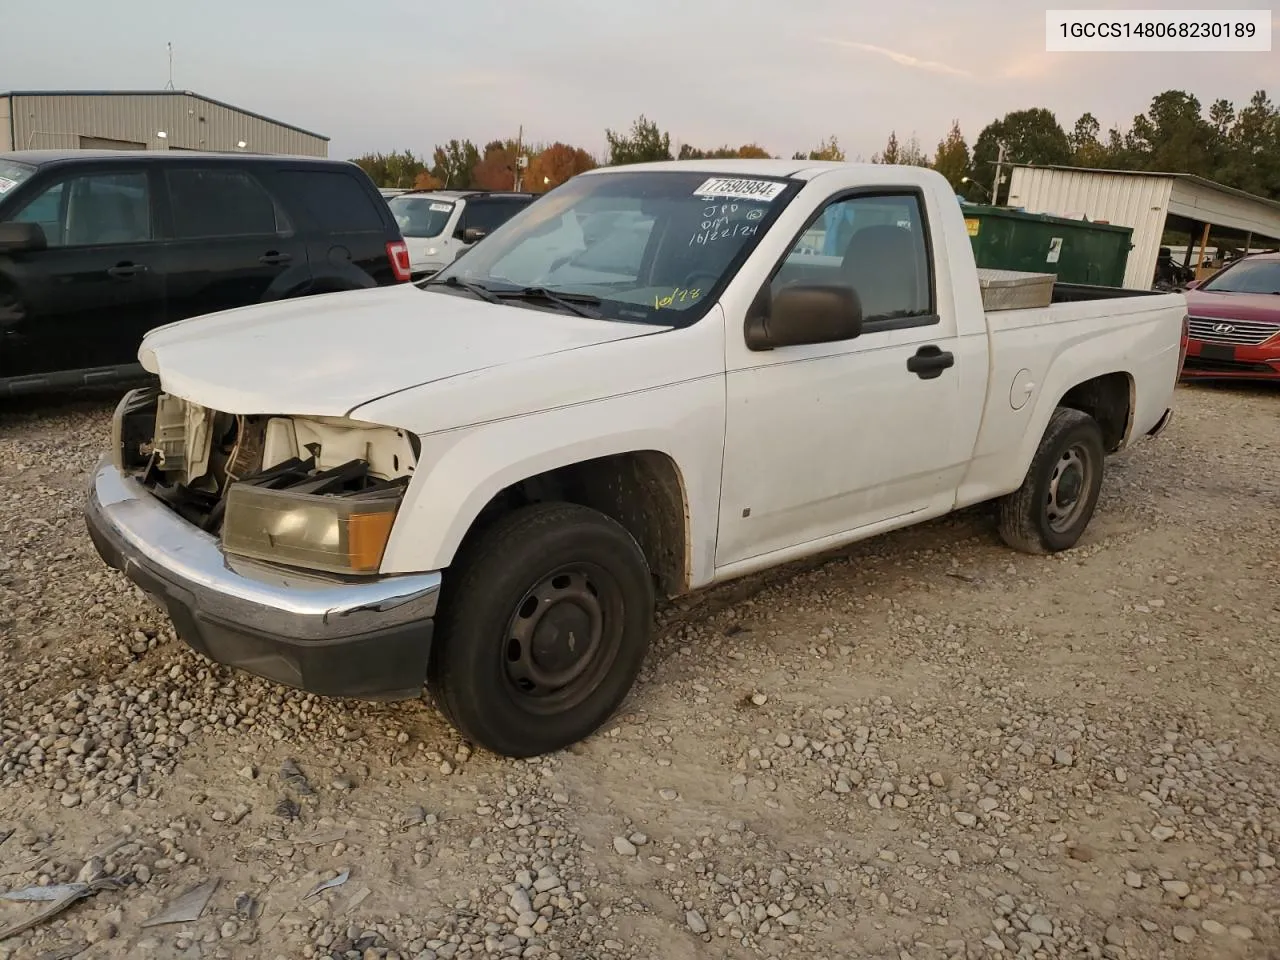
(98, 247)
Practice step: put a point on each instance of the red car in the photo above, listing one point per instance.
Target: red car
(1234, 322)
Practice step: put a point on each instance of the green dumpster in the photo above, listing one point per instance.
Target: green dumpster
(1077, 251)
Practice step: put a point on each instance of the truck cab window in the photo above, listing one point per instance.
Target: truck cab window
(874, 244)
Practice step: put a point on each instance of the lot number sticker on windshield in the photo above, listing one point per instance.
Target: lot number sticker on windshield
(6, 185)
(441, 207)
(736, 189)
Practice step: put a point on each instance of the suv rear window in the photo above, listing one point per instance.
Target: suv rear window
(489, 213)
(336, 202)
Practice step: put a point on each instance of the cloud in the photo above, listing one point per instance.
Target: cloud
(903, 59)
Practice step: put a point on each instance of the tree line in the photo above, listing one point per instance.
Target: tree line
(1239, 147)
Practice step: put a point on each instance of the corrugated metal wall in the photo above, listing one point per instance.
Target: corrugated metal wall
(5, 142)
(1198, 201)
(1138, 202)
(189, 122)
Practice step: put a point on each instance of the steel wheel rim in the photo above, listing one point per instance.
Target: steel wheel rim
(562, 638)
(1069, 486)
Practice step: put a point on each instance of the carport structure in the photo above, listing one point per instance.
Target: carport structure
(1153, 205)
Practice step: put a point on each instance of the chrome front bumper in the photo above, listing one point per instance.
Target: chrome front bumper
(369, 638)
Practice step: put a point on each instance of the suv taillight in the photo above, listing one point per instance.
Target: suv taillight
(398, 254)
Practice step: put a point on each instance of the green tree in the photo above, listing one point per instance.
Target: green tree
(952, 159)
(1086, 146)
(892, 152)
(645, 144)
(1174, 136)
(907, 154)
(1029, 136)
(392, 169)
(1252, 160)
(828, 149)
(748, 151)
(454, 163)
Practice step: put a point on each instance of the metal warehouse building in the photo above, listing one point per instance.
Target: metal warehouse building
(1152, 204)
(144, 120)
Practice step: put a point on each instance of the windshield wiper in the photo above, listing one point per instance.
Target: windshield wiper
(484, 293)
(579, 303)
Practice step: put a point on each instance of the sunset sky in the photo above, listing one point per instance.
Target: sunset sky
(397, 74)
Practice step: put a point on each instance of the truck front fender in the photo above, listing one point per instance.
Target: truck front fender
(460, 471)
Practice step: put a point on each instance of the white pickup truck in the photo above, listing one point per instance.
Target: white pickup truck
(652, 379)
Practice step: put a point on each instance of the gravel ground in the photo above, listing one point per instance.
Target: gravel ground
(923, 747)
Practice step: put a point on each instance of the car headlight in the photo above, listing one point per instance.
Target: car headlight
(332, 534)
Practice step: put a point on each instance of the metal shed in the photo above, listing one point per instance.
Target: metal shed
(144, 120)
(1151, 204)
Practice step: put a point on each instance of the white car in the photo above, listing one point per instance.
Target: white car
(642, 382)
(440, 225)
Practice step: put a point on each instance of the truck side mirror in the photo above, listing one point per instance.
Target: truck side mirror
(473, 234)
(803, 313)
(22, 238)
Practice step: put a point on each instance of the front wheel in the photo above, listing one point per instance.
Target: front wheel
(1055, 503)
(542, 630)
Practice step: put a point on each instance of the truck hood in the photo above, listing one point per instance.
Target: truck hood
(326, 355)
(1261, 307)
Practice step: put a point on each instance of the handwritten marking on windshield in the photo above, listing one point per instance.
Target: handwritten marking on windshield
(721, 230)
(679, 295)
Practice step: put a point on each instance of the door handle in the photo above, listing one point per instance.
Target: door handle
(929, 361)
(125, 271)
(273, 257)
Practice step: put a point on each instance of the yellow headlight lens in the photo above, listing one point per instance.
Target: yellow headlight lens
(333, 534)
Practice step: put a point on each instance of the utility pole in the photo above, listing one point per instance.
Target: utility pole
(995, 186)
(170, 84)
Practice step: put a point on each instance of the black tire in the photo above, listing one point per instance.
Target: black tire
(1040, 516)
(487, 675)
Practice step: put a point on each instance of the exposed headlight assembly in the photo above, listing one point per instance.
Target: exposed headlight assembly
(336, 534)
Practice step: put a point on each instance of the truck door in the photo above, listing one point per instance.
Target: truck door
(824, 439)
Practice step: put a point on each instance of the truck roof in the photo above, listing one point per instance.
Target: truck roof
(797, 169)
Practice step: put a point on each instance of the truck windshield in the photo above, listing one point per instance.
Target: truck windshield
(1247, 276)
(420, 216)
(642, 246)
(13, 173)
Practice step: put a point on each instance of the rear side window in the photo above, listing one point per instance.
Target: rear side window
(220, 203)
(334, 201)
(489, 215)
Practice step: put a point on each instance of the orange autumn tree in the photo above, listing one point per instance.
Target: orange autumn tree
(497, 167)
(555, 164)
(425, 181)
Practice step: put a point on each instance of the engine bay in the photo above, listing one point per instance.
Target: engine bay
(190, 456)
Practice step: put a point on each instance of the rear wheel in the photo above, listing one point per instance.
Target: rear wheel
(1055, 503)
(543, 630)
